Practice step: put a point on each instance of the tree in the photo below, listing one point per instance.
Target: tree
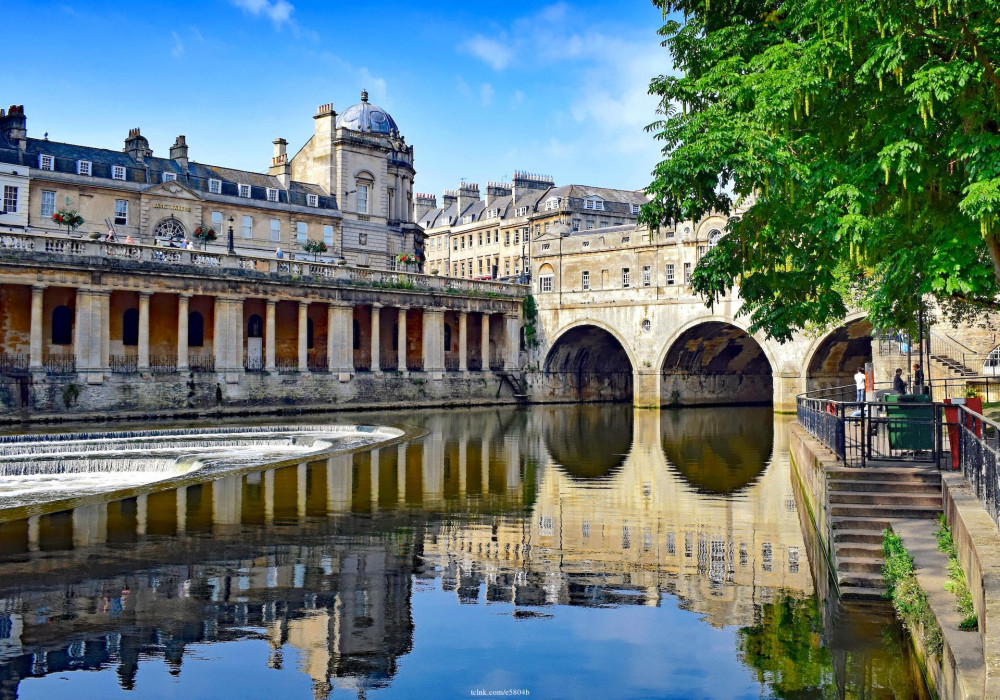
(866, 131)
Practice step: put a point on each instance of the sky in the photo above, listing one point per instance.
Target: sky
(480, 90)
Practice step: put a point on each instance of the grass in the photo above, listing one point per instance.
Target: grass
(956, 583)
(908, 598)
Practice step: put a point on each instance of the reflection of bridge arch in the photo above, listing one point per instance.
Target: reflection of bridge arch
(589, 442)
(715, 361)
(832, 359)
(591, 361)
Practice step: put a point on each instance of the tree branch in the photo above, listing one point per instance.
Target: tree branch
(980, 55)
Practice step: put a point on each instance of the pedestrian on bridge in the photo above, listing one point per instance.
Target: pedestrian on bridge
(859, 382)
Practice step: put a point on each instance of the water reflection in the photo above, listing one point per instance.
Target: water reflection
(488, 543)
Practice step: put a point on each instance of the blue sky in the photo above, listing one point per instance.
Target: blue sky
(480, 90)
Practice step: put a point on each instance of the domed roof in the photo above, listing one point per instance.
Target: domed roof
(365, 116)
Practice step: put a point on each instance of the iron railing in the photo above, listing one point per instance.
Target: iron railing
(253, 364)
(475, 364)
(388, 361)
(124, 364)
(415, 364)
(318, 362)
(13, 364)
(59, 363)
(362, 360)
(286, 363)
(496, 361)
(162, 364)
(978, 447)
(451, 364)
(201, 363)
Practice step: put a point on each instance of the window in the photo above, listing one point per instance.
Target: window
(480, 238)
(647, 325)
(312, 200)
(506, 268)
(301, 231)
(48, 203)
(701, 252)
(217, 221)
(463, 242)
(46, 162)
(480, 267)
(635, 208)
(215, 186)
(552, 203)
(670, 234)
(117, 172)
(517, 237)
(255, 326)
(594, 203)
(468, 219)
(455, 270)
(328, 235)
(272, 194)
(169, 177)
(647, 276)
(546, 226)
(83, 167)
(247, 226)
(586, 280)
(506, 237)
(626, 280)
(121, 212)
(590, 224)
(454, 244)
(196, 330)
(670, 273)
(545, 246)
(687, 273)
(10, 199)
(545, 283)
(362, 199)
(362, 239)
(130, 327)
(275, 230)
(521, 211)
(245, 191)
(576, 224)
(62, 326)
(463, 269)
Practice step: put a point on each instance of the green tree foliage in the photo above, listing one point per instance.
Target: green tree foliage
(867, 131)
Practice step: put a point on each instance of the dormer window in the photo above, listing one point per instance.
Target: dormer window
(468, 219)
(117, 172)
(312, 200)
(635, 208)
(245, 191)
(272, 194)
(521, 211)
(83, 167)
(595, 203)
(46, 163)
(169, 177)
(215, 186)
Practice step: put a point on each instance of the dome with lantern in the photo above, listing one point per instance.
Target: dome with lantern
(366, 117)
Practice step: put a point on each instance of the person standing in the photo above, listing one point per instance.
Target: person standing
(278, 254)
(859, 382)
(898, 384)
(918, 379)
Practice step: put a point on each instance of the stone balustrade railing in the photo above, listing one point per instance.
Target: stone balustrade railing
(280, 268)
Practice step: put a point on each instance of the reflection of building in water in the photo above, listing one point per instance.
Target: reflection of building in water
(644, 530)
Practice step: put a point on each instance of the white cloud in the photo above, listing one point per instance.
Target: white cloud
(279, 11)
(496, 53)
(177, 50)
(486, 93)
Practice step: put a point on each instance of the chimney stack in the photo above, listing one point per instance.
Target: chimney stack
(326, 119)
(468, 192)
(280, 167)
(448, 198)
(495, 190)
(14, 126)
(179, 152)
(423, 203)
(137, 146)
(526, 182)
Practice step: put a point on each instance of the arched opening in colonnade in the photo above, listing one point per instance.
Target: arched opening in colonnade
(716, 363)
(839, 355)
(588, 363)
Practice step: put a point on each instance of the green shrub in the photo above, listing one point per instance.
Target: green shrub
(956, 583)
(908, 598)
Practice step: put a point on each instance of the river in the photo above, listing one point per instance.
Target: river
(553, 552)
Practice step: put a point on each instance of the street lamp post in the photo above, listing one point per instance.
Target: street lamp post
(232, 249)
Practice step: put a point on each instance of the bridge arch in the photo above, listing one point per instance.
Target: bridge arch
(715, 360)
(589, 360)
(833, 358)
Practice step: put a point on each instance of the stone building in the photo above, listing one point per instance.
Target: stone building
(471, 236)
(359, 158)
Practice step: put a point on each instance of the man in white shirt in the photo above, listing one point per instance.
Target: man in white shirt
(859, 382)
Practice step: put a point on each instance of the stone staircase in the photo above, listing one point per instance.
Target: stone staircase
(862, 502)
(954, 366)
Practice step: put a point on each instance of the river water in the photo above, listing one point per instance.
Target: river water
(553, 552)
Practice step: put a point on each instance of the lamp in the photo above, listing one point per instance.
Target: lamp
(232, 250)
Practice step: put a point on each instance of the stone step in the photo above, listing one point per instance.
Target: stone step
(871, 524)
(870, 550)
(860, 579)
(886, 499)
(858, 537)
(852, 565)
(848, 592)
(861, 511)
(896, 474)
(881, 486)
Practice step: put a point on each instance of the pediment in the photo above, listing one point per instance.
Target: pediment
(173, 190)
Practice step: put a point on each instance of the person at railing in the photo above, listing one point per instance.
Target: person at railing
(918, 379)
(898, 384)
(859, 382)
(128, 239)
(278, 254)
(189, 245)
(110, 237)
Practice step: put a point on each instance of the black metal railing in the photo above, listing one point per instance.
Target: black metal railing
(162, 364)
(415, 364)
(318, 362)
(451, 364)
(978, 447)
(59, 363)
(253, 364)
(475, 364)
(286, 363)
(496, 362)
(124, 364)
(388, 361)
(13, 364)
(362, 360)
(201, 363)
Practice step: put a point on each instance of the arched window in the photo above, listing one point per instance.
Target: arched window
(196, 330)
(130, 327)
(255, 327)
(62, 326)
(309, 333)
(357, 335)
(169, 228)
(447, 337)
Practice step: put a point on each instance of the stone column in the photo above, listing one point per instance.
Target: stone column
(143, 359)
(401, 472)
(303, 336)
(269, 349)
(376, 338)
(181, 509)
(229, 338)
(92, 334)
(401, 341)
(301, 474)
(269, 496)
(484, 348)
(512, 331)
(375, 459)
(339, 333)
(434, 341)
(182, 330)
(339, 476)
(463, 341)
(35, 360)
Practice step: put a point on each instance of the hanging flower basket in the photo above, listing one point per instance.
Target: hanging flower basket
(315, 247)
(68, 218)
(205, 234)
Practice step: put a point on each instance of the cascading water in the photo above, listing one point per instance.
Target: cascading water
(38, 468)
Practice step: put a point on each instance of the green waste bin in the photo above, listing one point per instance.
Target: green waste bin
(910, 422)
